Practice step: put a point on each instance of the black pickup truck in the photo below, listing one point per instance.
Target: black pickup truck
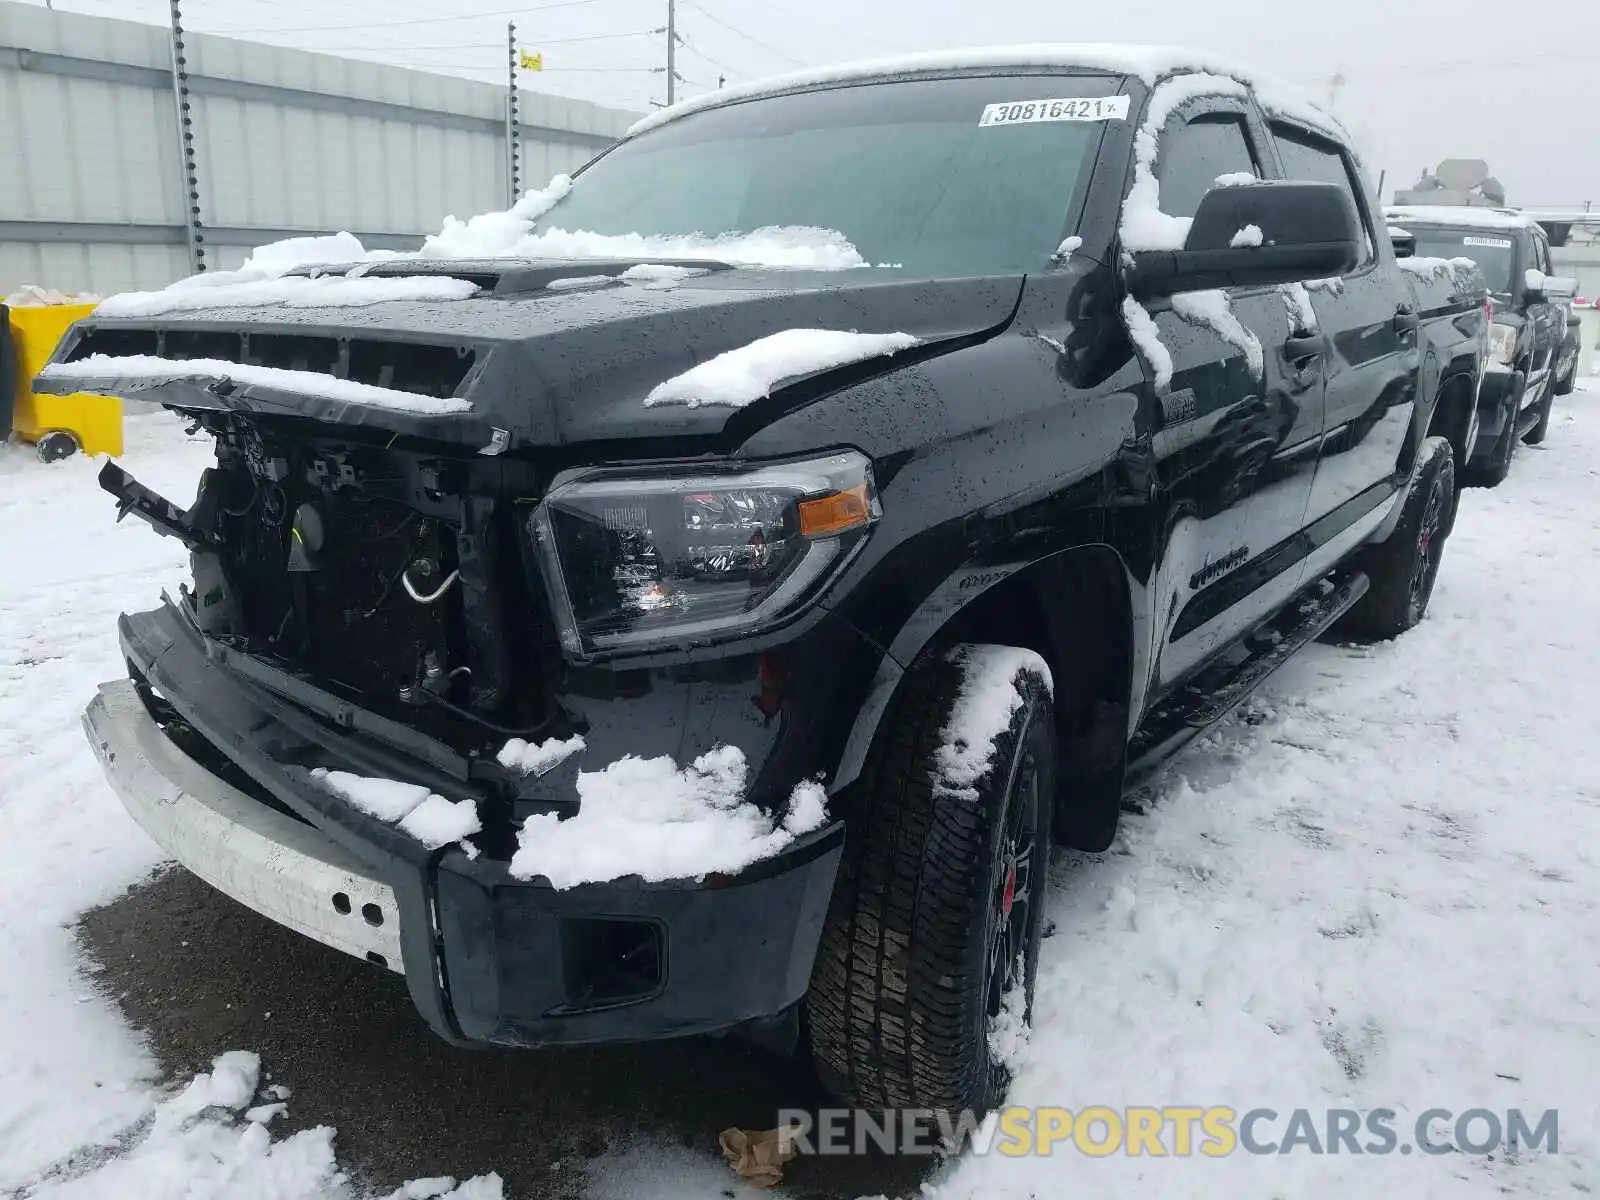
(1532, 349)
(669, 642)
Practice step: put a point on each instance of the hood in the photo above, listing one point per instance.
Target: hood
(551, 354)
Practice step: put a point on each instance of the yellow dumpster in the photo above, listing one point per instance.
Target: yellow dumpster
(93, 423)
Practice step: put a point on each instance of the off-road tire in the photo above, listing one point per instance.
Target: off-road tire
(899, 1011)
(1403, 569)
(1536, 435)
(1493, 473)
(1564, 385)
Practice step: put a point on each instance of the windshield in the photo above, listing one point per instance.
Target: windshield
(1495, 253)
(905, 172)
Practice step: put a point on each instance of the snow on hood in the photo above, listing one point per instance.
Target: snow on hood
(1149, 63)
(126, 367)
(739, 376)
(649, 817)
(295, 291)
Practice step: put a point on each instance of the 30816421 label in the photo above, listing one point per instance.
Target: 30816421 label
(1025, 112)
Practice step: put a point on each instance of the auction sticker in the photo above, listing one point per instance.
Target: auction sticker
(1497, 243)
(1024, 112)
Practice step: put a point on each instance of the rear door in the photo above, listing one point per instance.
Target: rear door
(1237, 439)
(1369, 329)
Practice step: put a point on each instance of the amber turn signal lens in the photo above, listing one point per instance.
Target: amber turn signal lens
(833, 514)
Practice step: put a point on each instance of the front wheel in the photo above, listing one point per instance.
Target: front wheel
(932, 937)
(1537, 434)
(1403, 569)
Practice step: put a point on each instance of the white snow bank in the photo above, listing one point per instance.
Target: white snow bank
(296, 291)
(430, 818)
(983, 710)
(201, 1144)
(1147, 340)
(1149, 63)
(737, 377)
(535, 758)
(649, 817)
(154, 371)
(1214, 310)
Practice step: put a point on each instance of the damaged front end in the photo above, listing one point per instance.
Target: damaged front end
(370, 602)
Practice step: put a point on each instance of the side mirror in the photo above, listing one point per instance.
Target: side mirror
(1405, 242)
(1551, 289)
(1306, 231)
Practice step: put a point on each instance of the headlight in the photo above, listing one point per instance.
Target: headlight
(1502, 343)
(639, 559)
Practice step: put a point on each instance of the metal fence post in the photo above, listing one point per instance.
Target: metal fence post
(188, 175)
(513, 131)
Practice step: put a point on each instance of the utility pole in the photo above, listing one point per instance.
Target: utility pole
(672, 52)
(188, 176)
(513, 133)
(1336, 82)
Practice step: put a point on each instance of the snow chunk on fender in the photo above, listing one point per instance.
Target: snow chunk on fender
(649, 817)
(983, 710)
(737, 377)
(535, 758)
(136, 372)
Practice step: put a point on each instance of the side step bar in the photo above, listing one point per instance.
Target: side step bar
(1189, 711)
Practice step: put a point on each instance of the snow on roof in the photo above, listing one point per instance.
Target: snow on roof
(1149, 63)
(1464, 215)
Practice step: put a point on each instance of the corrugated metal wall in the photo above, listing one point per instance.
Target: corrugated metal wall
(287, 142)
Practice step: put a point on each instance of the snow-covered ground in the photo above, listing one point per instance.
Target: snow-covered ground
(1374, 888)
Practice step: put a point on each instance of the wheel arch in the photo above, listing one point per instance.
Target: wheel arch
(1075, 608)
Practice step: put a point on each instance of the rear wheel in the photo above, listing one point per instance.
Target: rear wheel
(932, 936)
(1567, 382)
(1404, 568)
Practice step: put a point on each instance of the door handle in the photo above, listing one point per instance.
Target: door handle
(1406, 320)
(1300, 348)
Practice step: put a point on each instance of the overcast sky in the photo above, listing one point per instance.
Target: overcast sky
(1423, 79)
